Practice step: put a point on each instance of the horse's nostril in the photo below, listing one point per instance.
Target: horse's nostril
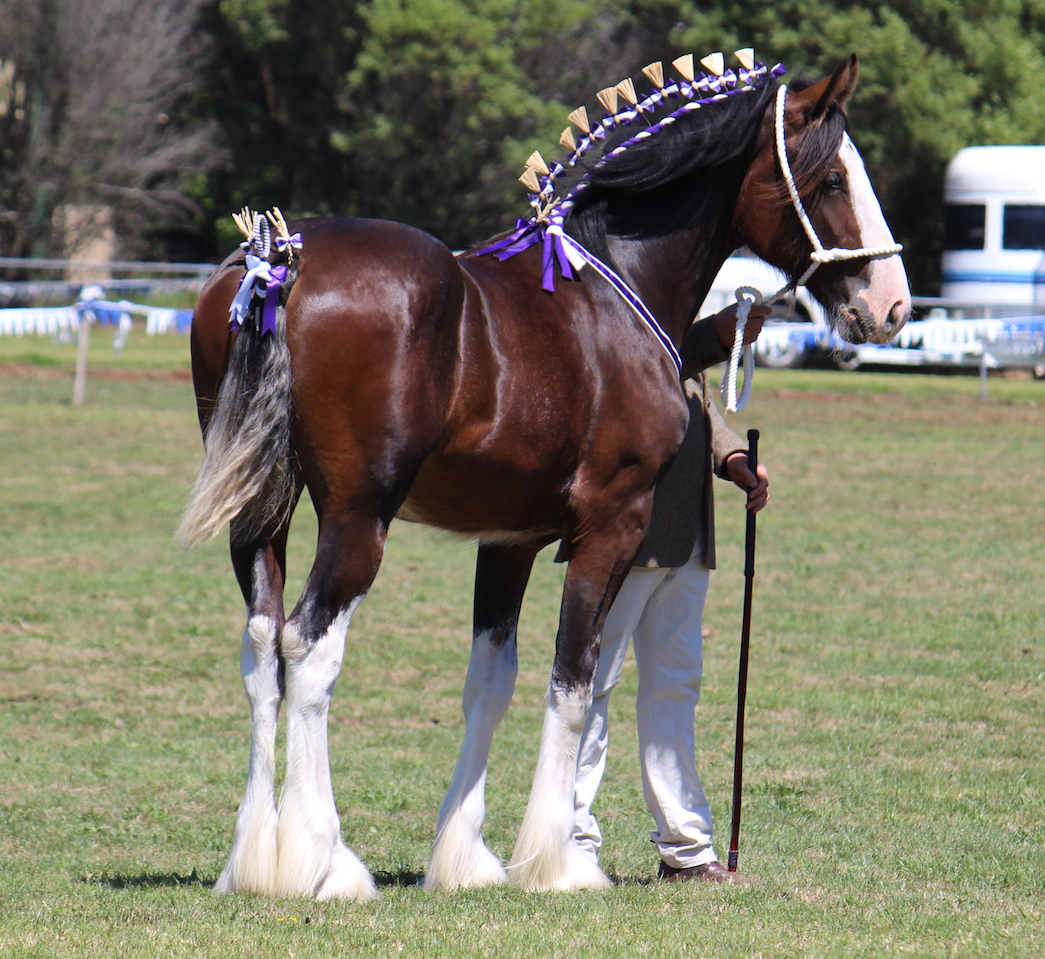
(897, 318)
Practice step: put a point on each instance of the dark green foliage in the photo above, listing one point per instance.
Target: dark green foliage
(424, 110)
(416, 110)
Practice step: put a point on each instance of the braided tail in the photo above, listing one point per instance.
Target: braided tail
(247, 479)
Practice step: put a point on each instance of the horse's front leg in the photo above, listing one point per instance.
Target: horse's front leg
(260, 570)
(459, 855)
(312, 858)
(546, 856)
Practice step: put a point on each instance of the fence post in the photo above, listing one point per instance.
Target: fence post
(80, 382)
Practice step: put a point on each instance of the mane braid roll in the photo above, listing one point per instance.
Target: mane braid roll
(615, 152)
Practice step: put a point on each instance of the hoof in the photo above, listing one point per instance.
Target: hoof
(569, 873)
(468, 868)
(347, 878)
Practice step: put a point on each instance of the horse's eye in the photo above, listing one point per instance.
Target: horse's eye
(833, 181)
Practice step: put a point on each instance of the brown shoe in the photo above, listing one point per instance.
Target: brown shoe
(706, 872)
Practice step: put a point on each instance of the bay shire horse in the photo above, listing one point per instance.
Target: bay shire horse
(401, 380)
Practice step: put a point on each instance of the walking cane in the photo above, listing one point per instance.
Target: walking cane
(745, 643)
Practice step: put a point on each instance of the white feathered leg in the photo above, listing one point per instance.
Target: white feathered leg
(252, 862)
(312, 859)
(459, 855)
(546, 857)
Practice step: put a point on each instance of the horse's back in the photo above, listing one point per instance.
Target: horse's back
(347, 268)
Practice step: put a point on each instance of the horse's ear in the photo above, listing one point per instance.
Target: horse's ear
(817, 100)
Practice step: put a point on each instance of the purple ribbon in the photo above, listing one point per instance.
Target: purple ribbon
(554, 249)
(293, 241)
(268, 317)
(527, 234)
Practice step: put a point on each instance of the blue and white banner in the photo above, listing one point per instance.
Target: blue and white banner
(59, 320)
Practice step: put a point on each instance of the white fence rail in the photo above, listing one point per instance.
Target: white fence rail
(1012, 342)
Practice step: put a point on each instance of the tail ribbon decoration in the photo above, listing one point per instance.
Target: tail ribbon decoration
(263, 279)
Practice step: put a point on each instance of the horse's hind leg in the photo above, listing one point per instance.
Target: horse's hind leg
(312, 859)
(260, 569)
(459, 855)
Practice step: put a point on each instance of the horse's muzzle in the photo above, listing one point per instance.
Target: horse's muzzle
(857, 324)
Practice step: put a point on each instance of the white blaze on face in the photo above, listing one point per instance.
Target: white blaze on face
(883, 284)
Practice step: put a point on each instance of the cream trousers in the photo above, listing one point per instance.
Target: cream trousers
(661, 610)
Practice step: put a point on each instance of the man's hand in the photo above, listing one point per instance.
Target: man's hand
(757, 487)
(726, 324)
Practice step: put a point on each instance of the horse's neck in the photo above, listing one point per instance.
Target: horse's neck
(672, 269)
(672, 274)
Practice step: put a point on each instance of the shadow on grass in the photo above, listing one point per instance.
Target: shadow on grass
(400, 877)
(618, 880)
(148, 880)
(404, 878)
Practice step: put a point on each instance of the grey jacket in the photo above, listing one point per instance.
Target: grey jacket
(683, 505)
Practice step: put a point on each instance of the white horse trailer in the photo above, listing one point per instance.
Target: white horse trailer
(994, 218)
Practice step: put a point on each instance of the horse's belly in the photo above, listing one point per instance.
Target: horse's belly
(489, 504)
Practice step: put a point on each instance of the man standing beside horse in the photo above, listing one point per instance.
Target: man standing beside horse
(660, 607)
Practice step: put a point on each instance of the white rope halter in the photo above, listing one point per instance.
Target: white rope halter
(819, 256)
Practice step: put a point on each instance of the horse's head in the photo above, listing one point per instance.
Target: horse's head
(866, 298)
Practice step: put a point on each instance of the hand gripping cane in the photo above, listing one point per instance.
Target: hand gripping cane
(745, 643)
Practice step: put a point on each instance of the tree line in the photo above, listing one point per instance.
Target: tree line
(175, 113)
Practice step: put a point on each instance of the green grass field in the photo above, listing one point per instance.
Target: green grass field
(895, 799)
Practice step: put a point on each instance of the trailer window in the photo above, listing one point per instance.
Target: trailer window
(1023, 227)
(964, 226)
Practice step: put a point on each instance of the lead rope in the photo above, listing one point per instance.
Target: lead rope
(816, 258)
(747, 297)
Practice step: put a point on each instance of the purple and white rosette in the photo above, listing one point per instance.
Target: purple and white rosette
(264, 280)
(529, 233)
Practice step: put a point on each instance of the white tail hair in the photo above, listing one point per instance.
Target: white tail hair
(246, 478)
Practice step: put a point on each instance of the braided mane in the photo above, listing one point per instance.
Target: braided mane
(665, 183)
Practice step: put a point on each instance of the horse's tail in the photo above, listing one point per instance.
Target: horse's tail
(247, 477)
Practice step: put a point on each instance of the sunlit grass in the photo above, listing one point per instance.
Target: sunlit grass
(895, 797)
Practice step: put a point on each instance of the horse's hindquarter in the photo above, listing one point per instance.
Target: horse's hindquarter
(555, 395)
(372, 331)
